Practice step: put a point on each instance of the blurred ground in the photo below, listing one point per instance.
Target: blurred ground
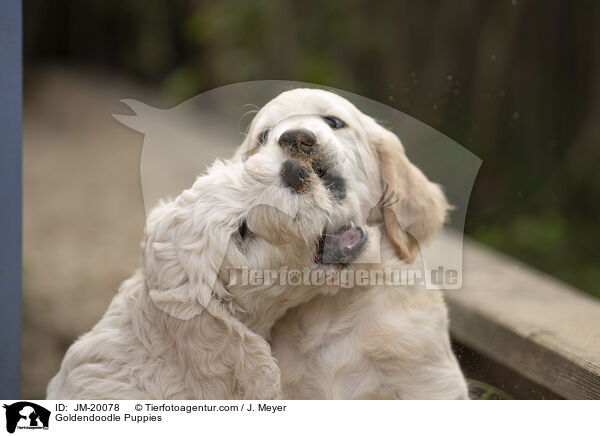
(83, 213)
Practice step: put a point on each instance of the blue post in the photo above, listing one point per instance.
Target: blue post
(11, 111)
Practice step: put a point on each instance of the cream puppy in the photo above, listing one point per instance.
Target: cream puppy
(375, 342)
(183, 327)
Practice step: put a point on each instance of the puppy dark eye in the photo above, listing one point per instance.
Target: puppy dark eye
(262, 137)
(244, 231)
(333, 122)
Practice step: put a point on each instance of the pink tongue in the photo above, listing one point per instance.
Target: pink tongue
(348, 238)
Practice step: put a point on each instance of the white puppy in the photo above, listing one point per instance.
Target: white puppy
(376, 342)
(182, 327)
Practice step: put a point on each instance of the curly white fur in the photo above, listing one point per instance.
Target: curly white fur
(178, 329)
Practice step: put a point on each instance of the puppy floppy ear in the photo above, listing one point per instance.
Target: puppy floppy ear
(181, 262)
(413, 208)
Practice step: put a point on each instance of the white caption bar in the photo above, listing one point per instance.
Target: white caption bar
(299, 417)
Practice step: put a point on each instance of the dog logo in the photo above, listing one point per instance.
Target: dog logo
(26, 415)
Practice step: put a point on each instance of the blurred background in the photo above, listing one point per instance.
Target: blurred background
(516, 82)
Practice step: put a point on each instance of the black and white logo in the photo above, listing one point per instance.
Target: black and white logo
(26, 415)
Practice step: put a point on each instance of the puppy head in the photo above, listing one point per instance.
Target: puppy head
(322, 130)
(265, 213)
(364, 161)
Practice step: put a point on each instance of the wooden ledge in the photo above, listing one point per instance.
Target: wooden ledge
(529, 322)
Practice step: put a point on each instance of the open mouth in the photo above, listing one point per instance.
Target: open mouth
(342, 246)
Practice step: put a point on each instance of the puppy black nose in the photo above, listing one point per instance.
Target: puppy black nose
(297, 139)
(294, 175)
